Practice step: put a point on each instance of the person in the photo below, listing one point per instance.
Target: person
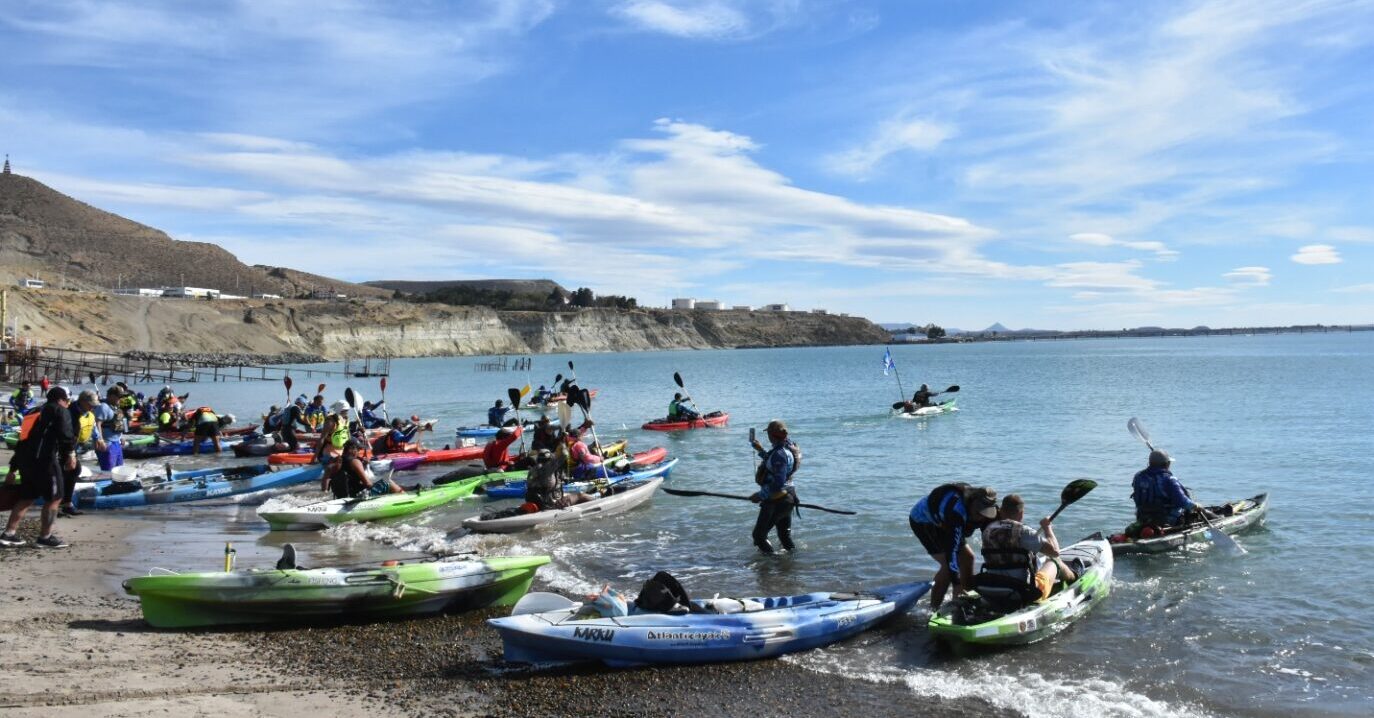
(397, 439)
(679, 411)
(41, 458)
(545, 435)
(942, 522)
(21, 398)
(347, 475)
(496, 454)
(586, 464)
(776, 496)
(271, 421)
(292, 417)
(316, 413)
(83, 423)
(544, 482)
(206, 424)
(128, 403)
(112, 423)
(334, 433)
(370, 417)
(496, 415)
(168, 415)
(1009, 553)
(920, 399)
(1160, 498)
(541, 395)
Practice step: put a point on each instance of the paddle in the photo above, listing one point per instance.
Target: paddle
(1077, 489)
(541, 602)
(286, 380)
(577, 396)
(386, 415)
(1220, 538)
(952, 389)
(514, 395)
(683, 492)
(678, 378)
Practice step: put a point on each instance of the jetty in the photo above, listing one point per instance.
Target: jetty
(21, 361)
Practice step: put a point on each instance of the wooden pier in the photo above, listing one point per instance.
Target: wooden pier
(30, 362)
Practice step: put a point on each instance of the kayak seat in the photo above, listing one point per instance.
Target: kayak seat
(1003, 593)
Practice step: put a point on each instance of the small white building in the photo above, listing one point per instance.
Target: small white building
(232, 296)
(776, 308)
(264, 295)
(709, 305)
(138, 292)
(190, 293)
(741, 308)
(684, 303)
(31, 284)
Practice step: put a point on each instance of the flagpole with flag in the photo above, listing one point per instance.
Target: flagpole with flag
(892, 365)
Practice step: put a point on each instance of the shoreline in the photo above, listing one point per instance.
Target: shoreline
(65, 627)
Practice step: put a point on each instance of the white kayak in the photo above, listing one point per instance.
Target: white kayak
(943, 407)
(628, 495)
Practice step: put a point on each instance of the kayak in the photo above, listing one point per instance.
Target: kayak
(646, 470)
(186, 435)
(1233, 518)
(715, 418)
(553, 401)
(476, 432)
(767, 627)
(943, 407)
(128, 440)
(214, 598)
(194, 486)
(627, 495)
(180, 448)
(324, 514)
(968, 623)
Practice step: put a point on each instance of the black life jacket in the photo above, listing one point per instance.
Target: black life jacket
(1002, 550)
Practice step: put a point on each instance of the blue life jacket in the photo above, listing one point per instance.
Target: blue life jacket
(1158, 496)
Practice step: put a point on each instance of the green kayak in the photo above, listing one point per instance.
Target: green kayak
(291, 595)
(324, 514)
(12, 439)
(969, 623)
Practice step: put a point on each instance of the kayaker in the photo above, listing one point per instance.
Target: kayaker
(369, 416)
(168, 416)
(679, 411)
(586, 464)
(47, 451)
(496, 454)
(87, 439)
(544, 482)
(206, 424)
(112, 424)
(541, 395)
(316, 413)
(348, 475)
(942, 522)
(21, 398)
(396, 439)
(333, 433)
(292, 417)
(1160, 499)
(920, 399)
(776, 496)
(1010, 548)
(496, 415)
(128, 403)
(545, 435)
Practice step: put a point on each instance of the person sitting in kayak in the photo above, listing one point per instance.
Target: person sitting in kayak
(316, 414)
(369, 415)
(679, 411)
(920, 400)
(545, 435)
(496, 415)
(1009, 553)
(942, 522)
(348, 476)
(271, 421)
(22, 398)
(776, 496)
(397, 439)
(496, 454)
(544, 482)
(541, 395)
(586, 464)
(1160, 499)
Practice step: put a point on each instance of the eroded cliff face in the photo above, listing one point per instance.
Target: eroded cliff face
(339, 329)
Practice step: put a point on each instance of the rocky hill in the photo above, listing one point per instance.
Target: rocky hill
(47, 234)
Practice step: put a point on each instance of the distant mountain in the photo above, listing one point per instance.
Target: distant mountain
(48, 235)
(997, 327)
(532, 287)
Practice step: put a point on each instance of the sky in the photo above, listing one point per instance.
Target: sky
(1041, 165)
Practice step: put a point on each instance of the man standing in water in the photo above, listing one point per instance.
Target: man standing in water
(776, 496)
(942, 522)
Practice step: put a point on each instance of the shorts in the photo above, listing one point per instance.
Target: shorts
(43, 481)
(1043, 584)
(207, 429)
(112, 456)
(933, 538)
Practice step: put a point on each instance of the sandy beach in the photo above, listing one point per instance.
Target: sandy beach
(76, 646)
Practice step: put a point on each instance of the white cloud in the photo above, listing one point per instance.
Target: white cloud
(1254, 276)
(1317, 254)
(1356, 289)
(703, 19)
(891, 137)
(1364, 235)
(1098, 239)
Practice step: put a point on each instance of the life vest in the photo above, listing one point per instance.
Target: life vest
(761, 474)
(26, 425)
(1149, 490)
(272, 422)
(117, 425)
(339, 436)
(85, 426)
(128, 403)
(1003, 552)
(204, 415)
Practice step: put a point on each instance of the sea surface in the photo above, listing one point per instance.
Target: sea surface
(1286, 630)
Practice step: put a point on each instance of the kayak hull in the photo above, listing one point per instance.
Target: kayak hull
(516, 489)
(197, 486)
(718, 418)
(633, 494)
(324, 514)
(786, 624)
(265, 596)
(1039, 620)
(944, 407)
(1248, 512)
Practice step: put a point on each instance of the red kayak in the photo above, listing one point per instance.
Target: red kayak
(440, 456)
(649, 458)
(715, 418)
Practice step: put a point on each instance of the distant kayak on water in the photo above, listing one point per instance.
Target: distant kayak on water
(715, 418)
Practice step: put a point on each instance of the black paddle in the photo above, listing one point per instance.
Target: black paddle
(514, 395)
(952, 389)
(1218, 537)
(678, 378)
(1077, 489)
(579, 397)
(682, 492)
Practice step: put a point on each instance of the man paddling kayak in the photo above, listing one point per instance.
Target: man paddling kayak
(1161, 500)
(776, 496)
(679, 411)
(1009, 553)
(942, 522)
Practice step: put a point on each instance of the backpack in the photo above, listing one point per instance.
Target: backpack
(664, 594)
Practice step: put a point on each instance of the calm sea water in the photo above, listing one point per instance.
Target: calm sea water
(1286, 630)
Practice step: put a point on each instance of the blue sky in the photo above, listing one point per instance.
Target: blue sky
(1051, 165)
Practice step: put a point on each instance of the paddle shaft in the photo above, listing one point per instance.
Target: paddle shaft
(681, 492)
(678, 378)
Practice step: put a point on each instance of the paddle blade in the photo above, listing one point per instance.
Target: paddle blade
(564, 414)
(678, 378)
(514, 395)
(1077, 489)
(319, 389)
(571, 368)
(1222, 539)
(586, 400)
(557, 379)
(1134, 426)
(898, 404)
(541, 602)
(287, 381)
(953, 388)
(383, 385)
(525, 390)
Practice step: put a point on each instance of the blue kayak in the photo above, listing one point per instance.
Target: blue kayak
(748, 628)
(183, 448)
(516, 489)
(196, 485)
(476, 432)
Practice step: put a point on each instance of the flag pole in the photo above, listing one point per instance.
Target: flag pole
(901, 393)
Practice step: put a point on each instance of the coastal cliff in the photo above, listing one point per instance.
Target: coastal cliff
(102, 322)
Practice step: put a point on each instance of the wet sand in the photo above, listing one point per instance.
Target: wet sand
(74, 645)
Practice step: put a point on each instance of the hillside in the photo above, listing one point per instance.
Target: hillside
(47, 234)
